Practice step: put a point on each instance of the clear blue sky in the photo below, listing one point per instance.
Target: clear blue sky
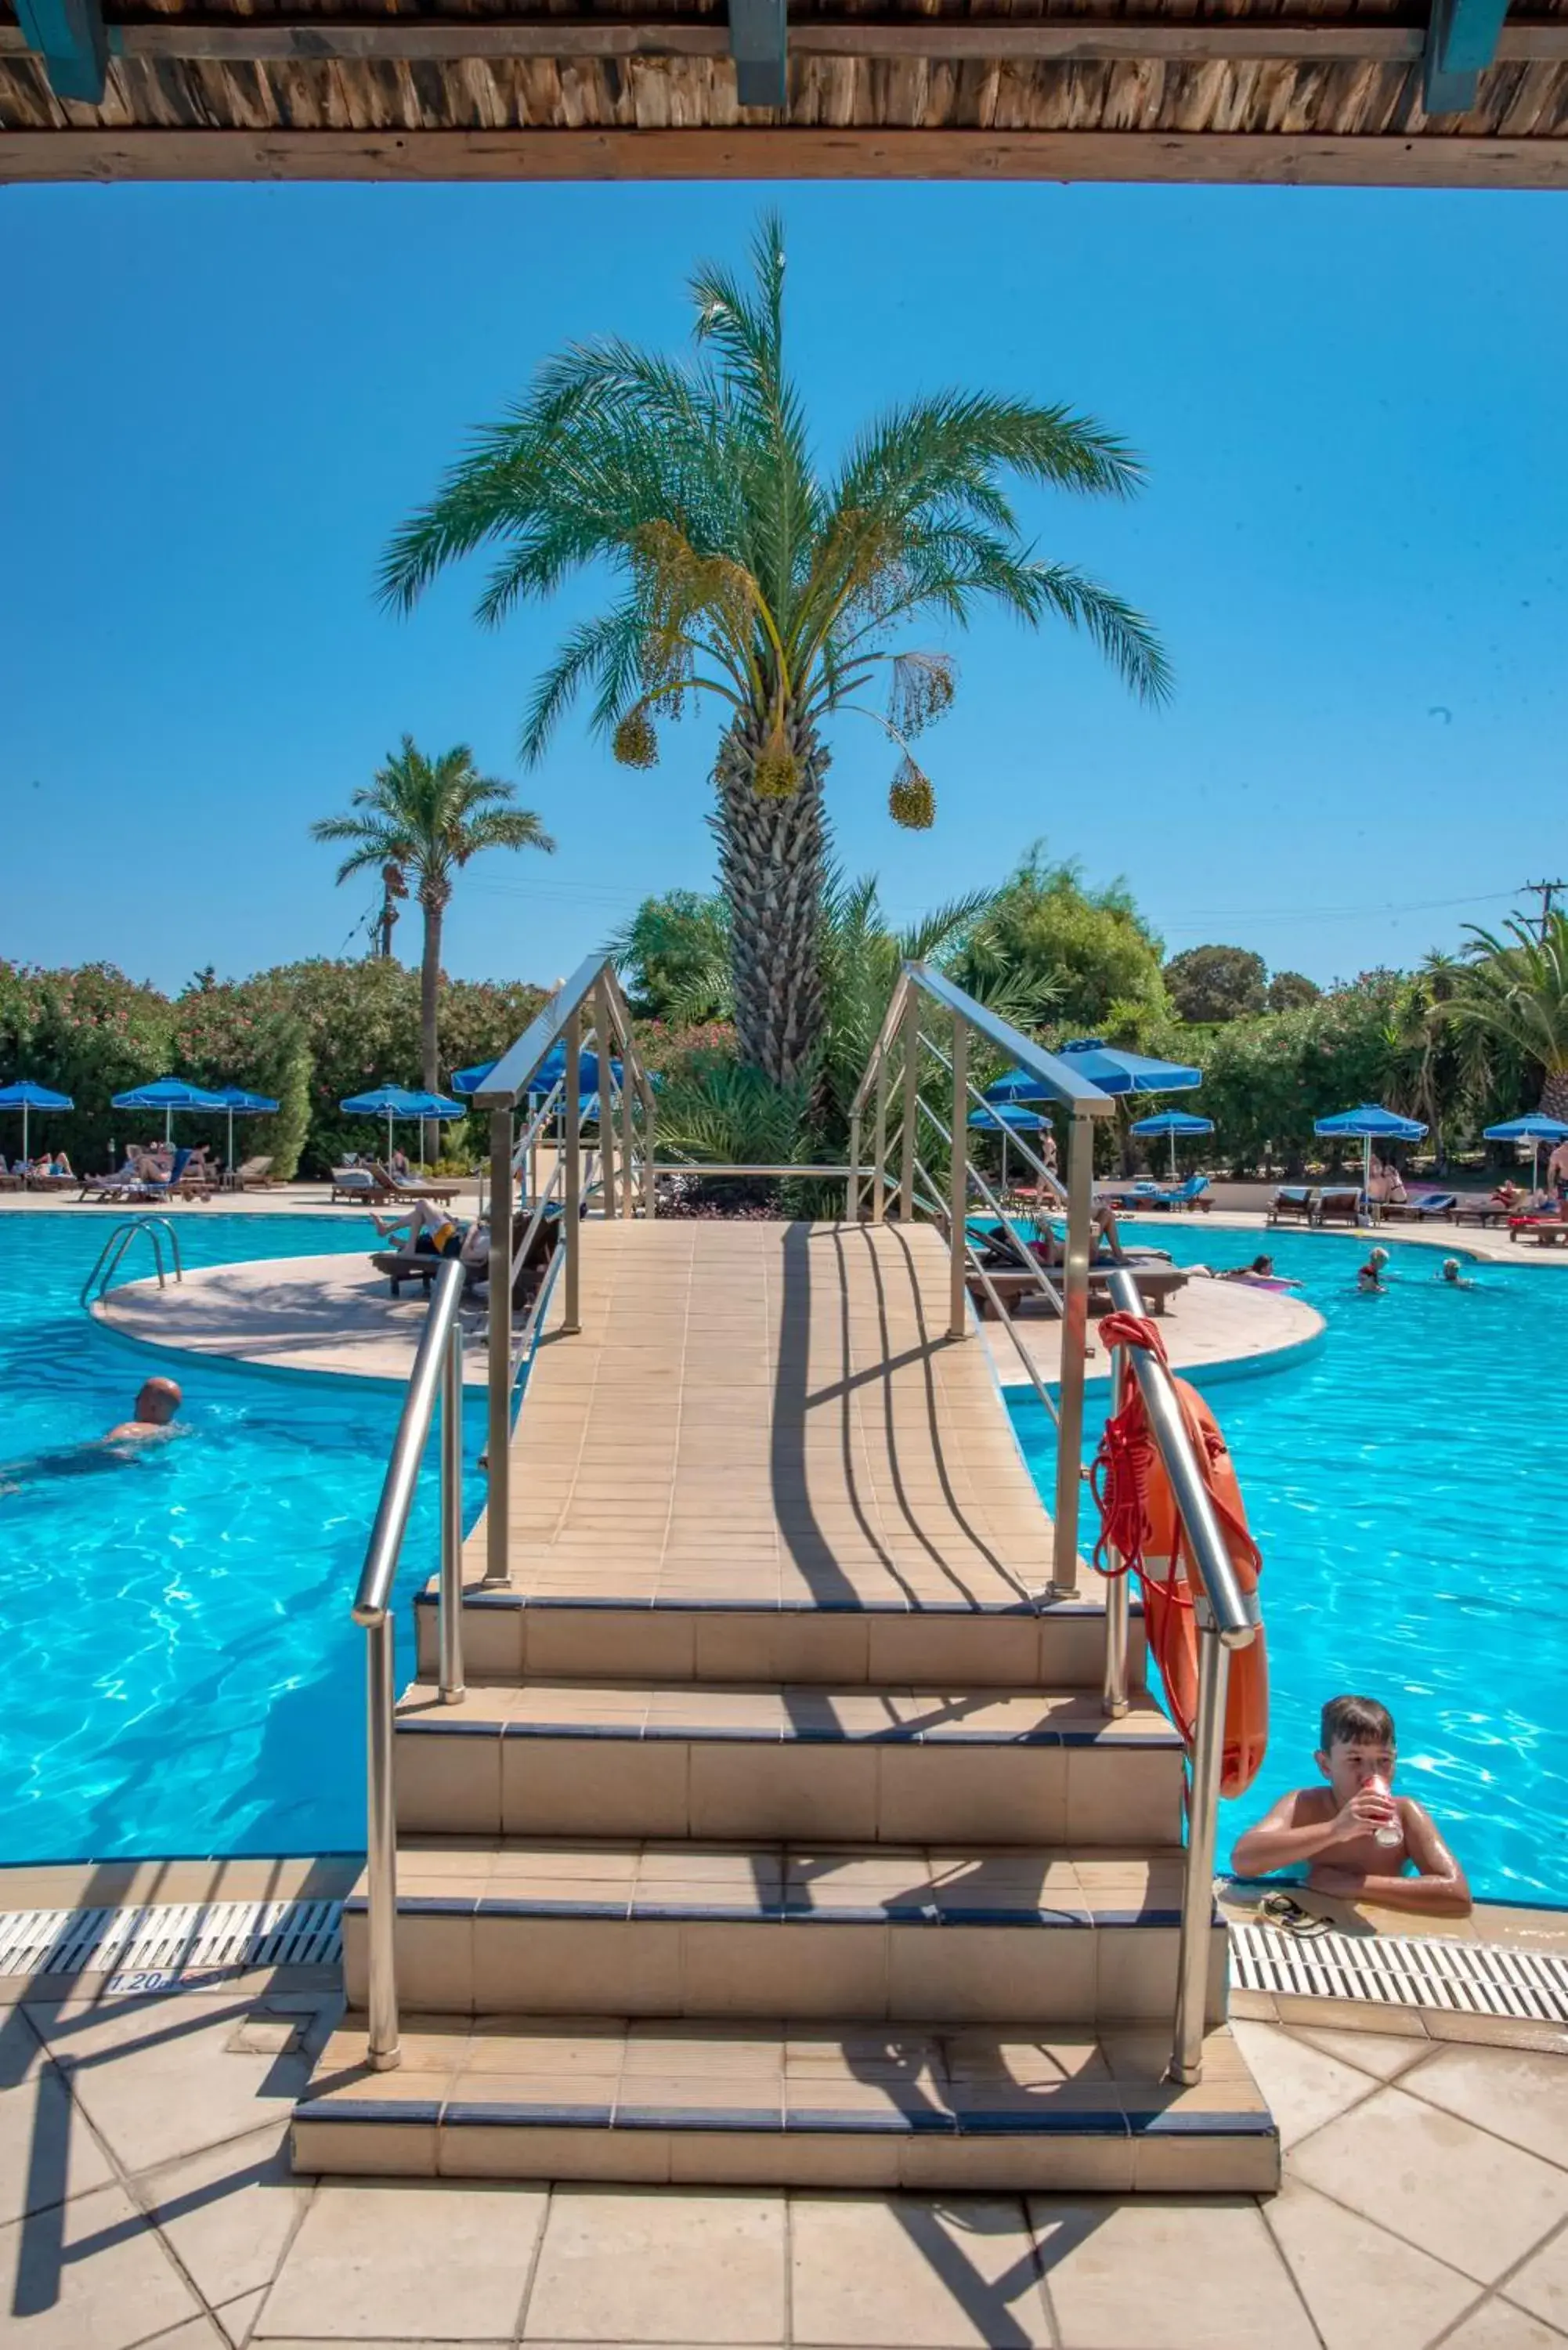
(217, 401)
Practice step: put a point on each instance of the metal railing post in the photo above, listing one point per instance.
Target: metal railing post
(604, 1036)
(450, 1611)
(382, 1848)
(498, 1443)
(650, 1187)
(852, 1189)
(628, 1195)
(1196, 1948)
(879, 1145)
(1113, 1689)
(911, 1084)
(958, 1186)
(572, 1206)
(1074, 1347)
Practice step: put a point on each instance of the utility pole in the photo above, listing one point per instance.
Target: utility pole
(1545, 891)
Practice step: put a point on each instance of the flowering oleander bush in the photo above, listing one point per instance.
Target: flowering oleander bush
(308, 1033)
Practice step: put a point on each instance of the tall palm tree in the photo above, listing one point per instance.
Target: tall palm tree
(420, 821)
(1513, 991)
(745, 574)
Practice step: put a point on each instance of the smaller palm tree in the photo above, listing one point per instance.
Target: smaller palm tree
(423, 820)
(1513, 991)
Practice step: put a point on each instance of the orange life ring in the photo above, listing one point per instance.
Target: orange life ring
(1142, 1525)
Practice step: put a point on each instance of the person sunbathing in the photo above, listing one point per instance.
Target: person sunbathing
(1358, 1837)
(423, 1228)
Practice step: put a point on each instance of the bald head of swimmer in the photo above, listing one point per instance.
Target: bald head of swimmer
(157, 1402)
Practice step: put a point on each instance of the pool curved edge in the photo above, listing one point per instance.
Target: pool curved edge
(1223, 1371)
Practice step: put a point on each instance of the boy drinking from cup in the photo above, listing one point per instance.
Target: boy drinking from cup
(1358, 1837)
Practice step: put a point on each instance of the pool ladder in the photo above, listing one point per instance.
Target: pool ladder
(115, 1247)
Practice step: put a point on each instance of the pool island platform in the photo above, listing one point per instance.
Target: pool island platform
(315, 1313)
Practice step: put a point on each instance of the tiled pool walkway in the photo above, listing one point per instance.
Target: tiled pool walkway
(147, 2200)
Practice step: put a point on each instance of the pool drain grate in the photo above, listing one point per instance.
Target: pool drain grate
(171, 1938)
(1403, 1970)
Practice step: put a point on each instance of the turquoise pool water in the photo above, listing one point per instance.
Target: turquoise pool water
(178, 1672)
(1407, 1482)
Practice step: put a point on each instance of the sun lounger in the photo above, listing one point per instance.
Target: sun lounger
(1338, 1204)
(1292, 1203)
(411, 1186)
(1019, 1291)
(1190, 1194)
(1547, 1232)
(175, 1185)
(1481, 1212)
(1422, 1206)
(252, 1174)
(358, 1183)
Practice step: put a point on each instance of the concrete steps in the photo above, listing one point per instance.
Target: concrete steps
(707, 1930)
(746, 1764)
(781, 1837)
(1056, 1645)
(781, 2103)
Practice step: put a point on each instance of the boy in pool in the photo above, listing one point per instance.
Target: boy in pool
(1337, 1830)
(1452, 1278)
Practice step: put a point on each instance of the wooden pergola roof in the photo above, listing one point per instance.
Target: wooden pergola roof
(1353, 91)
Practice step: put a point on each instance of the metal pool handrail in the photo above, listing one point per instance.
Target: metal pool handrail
(1227, 1617)
(589, 1009)
(115, 1247)
(437, 1368)
(892, 1085)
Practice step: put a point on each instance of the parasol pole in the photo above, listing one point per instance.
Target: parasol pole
(1171, 1131)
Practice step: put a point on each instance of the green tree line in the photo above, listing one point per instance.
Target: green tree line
(308, 1034)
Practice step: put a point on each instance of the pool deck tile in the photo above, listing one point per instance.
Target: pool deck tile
(1440, 2203)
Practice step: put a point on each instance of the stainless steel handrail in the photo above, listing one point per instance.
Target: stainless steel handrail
(113, 1251)
(438, 1368)
(1061, 1080)
(588, 1010)
(894, 1069)
(1227, 1619)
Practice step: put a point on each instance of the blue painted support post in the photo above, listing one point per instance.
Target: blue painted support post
(70, 37)
(1461, 42)
(759, 36)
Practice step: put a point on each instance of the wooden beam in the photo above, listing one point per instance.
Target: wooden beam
(235, 40)
(70, 35)
(1461, 42)
(1429, 162)
(759, 37)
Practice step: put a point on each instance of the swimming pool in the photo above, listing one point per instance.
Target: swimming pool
(178, 1672)
(1407, 1483)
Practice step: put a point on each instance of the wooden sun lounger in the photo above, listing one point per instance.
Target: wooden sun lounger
(410, 1187)
(1547, 1232)
(1338, 1205)
(371, 1193)
(1020, 1290)
(1292, 1203)
(1481, 1212)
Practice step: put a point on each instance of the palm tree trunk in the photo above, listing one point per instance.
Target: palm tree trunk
(1554, 1093)
(772, 868)
(430, 995)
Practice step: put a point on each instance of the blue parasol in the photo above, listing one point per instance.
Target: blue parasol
(1173, 1122)
(167, 1094)
(1535, 1129)
(1105, 1066)
(240, 1104)
(549, 1073)
(25, 1095)
(392, 1102)
(1373, 1124)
